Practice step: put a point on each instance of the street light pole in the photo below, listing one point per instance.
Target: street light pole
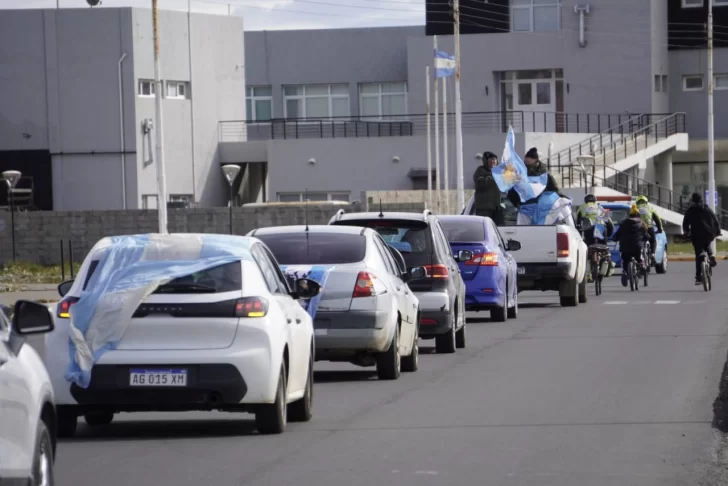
(161, 181)
(231, 172)
(460, 183)
(711, 126)
(11, 179)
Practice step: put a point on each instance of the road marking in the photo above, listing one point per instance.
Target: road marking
(616, 302)
(667, 302)
(694, 302)
(643, 302)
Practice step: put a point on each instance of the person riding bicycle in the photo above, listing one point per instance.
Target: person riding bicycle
(630, 234)
(596, 215)
(649, 216)
(701, 225)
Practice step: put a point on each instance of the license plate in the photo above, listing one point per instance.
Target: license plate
(170, 377)
(521, 270)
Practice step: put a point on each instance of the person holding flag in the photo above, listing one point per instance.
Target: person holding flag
(535, 168)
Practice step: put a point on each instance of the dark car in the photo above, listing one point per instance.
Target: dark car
(422, 242)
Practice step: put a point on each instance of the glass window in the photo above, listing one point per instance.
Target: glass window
(223, 278)
(535, 15)
(4, 320)
(520, 19)
(459, 231)
(316, 107)
(658, 84)
(383, 100)
(289, 197)
(316, 101)
(269, 271)
(340, 106)
(695, 3)
(315, 248)
(524, 94)
(259, 103)
(369, 106)
(386, 256)
(693, 82)
(294, 108)
(543, 93)
(721, 81)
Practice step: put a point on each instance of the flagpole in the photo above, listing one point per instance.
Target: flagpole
(429, 142)
(458, 114)
(445, 167)
(437, 137)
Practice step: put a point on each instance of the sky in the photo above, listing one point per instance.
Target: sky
(274, 14)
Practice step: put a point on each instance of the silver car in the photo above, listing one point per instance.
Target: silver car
(366, 313)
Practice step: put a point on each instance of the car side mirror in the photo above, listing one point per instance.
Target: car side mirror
(65, 287)
(416, 273)
(32, 318)
(464, 255)
(513, 245)
(305, 288)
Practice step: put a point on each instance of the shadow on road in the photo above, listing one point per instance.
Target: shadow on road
(344, 376)
(165, 429)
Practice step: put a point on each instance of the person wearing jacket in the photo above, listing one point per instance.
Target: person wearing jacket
(701, 225)
(649, 216)
(630, 234)
(535, 168)
(591, 210)
(487, 193)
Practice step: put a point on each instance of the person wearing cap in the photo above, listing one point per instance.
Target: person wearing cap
(630, 234)
(535, 168)
(487, 193)
(649, 216)
(701, 225)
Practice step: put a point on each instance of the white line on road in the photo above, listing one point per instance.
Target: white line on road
(616, 302)
(667, 302)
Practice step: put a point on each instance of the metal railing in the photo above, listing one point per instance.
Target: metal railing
(409, 125)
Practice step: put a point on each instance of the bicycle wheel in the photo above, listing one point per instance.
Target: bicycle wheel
(705, 276)
(647, 271)
(595, 276)
(632, 280)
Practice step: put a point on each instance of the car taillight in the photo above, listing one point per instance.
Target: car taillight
(365, 285)
(251, 307)
(562, 245)
(63, 309)
(488, 259)
(436, 271)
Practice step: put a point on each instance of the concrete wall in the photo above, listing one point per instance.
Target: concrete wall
(695, 103)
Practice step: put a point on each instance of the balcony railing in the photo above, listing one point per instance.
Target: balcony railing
(411, 125)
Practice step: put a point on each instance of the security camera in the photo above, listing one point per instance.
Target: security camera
(93, 3)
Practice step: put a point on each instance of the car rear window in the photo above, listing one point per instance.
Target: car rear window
(412, 238)
(223, 278)
(315, 248)
(618, 214)
(463, 230)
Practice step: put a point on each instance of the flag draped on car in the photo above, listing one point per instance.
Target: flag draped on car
(512, 173)
(317, 273)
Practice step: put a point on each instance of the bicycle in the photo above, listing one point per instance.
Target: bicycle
(706, 272)
(645, 264)
(598, 255)
(632, 274)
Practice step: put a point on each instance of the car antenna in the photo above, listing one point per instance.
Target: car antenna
(381, 214)
(305, 208)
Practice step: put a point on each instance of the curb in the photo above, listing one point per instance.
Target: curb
(690, 258)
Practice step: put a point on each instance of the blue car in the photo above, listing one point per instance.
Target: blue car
(490, 276)
(620, 211)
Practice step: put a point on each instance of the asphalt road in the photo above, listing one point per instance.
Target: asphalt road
(618, 391)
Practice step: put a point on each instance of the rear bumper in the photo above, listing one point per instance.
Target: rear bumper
(435, 313)
(352, 331)
(543, 276)
(484, 291)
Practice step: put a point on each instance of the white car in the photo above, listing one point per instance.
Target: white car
(27, 411)
(230, 337)
(367, 314)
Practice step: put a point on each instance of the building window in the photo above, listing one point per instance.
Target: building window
(721, 81)
(693, 82)
(692, 3)
(177, 90)
(718, 3)
(149, 201)
(535, 15)
(258, 103)
(316, 101)
(313, 196)
(383, 100)
(146, 88)
(660, 83)
(664, 83)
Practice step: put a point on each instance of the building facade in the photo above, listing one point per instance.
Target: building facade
(77, 104)
(320, 102)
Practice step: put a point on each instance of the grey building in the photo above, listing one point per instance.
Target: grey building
(319, 103)
(77, 87)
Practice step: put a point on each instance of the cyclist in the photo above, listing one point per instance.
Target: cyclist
(632, 231)
(596, 215)
(701, 225)
(649, 216)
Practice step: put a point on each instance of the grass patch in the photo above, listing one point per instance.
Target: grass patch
(15, 274)
(688, 247)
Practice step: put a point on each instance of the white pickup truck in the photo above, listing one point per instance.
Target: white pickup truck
(551, 257)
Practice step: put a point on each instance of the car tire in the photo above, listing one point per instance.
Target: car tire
(271, 419)
(500, 314)
(411, 363)
(573, 289)
(67, 421)
(389, 363)
(445, 343)
(42, 473)
(301, 410)
(99, 418)
(662, 266)
(583, 295)
(513, 311)
(460, 336)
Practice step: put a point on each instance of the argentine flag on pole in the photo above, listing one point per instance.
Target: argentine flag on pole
(512, 173)
(444, 64)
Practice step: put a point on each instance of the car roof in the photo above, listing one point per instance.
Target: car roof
(314, 228)
(463, 218)
(384, 215)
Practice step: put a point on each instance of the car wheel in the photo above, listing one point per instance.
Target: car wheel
(513, 311)
(67, 421)
(389, 363)
(42, 474)
(500, 314)
(301, 410)
(445, 343)
(662, 266)
(569, 287)
(460, 336)
(583, 297)
(271, 419)
(99, 418)
(412, 362)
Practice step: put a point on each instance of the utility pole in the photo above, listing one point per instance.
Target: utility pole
(458, 114)
(158, 91)
(711, 127)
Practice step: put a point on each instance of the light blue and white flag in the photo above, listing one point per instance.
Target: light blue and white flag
(512, 173)
(444, 64)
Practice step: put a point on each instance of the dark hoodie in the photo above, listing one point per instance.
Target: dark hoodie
(536, 169)
(701, 222)
(487, 193)
(630, 234)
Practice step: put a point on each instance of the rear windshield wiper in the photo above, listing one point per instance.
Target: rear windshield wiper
(186, 287)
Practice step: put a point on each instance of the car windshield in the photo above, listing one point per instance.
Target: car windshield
(223, 278)
(618, 214)
(463, 230)
(315, 248)
(411, 238)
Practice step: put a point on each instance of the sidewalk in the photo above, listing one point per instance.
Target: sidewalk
(39, 292)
